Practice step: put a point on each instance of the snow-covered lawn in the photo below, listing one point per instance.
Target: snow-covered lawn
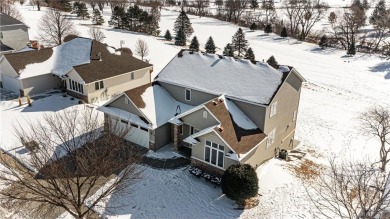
(339, 88)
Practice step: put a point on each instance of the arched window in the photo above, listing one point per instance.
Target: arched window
(205, 114)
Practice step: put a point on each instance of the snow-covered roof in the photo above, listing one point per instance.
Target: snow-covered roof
(122, 114)
(237, 115)
(223, 75)
(63, 58)
(156, 104)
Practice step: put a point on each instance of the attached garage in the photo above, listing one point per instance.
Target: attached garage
(138, 135)
(10, 83)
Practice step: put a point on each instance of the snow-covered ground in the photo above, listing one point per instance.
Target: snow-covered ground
(339, 88)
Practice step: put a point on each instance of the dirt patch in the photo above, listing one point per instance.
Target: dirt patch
(306, 170)
(248, 204)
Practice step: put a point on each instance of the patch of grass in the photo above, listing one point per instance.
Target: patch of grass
(306, 170)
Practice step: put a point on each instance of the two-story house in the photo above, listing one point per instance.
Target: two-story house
(13, 34)
(87, 69)
(226, 111)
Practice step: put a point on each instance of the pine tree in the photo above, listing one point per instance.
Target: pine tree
(97, 17)
(378, 13)
(284, 32)
(351, 49)
(83, 11)
(366, 5)
(194, 44)
(117, 17)
(254, 4)
(76, 7)
(272, 62)
(323, 42)
(268, 29)
(210, 46)
(168, 36)
(253, 26)
(183, 22)
(239, 43)
(250, 55)
(180, 39)
(228, 50)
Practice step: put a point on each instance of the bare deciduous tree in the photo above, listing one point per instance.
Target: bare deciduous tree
(376, 122)
(54, 26)
(141, 48)
(7, 7)
(96, 33)
(350, 190)
(71, 159)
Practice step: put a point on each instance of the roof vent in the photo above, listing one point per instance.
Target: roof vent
(220, 128)
(220, 100)
(215, 103)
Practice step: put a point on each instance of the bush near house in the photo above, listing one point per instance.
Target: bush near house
(240, 182)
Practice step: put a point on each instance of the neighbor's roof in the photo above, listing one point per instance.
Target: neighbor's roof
(110, 64)
(8, 20)
(80, 54)
(223, 75)
(239, 131)
(156, 103)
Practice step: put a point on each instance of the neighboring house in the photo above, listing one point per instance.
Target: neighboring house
(13, 34)
(87, 69)
(226, 111)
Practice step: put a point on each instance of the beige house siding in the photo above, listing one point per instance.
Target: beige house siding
(116, 85)
(198, 149)
(41, 83)
(254, 112)
(6, 69)
(178, 92)
(197, 120)
(259, 155)
(287, 102)
(121, 104)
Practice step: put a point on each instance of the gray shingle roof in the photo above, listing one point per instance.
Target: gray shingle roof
(8, 20)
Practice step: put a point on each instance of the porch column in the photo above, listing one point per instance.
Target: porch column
(176, 137)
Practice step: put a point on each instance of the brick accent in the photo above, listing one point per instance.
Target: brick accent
(176, 137)
(206, 167)
(77, 95)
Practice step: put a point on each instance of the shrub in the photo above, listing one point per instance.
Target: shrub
(240, 182)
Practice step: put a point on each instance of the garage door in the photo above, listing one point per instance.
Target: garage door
(138, 136)
(10, 84)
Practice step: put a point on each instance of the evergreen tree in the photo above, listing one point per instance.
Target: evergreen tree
(323, 42)
(250, 55)
(82, 11)
(153, 22)
(228, 50)
(253, 26)
(180, 39)
(76, 7)
(168, 36)
(284, 32)
(117, 17)
(254, 4)
(194, 44)
(239, 43)
(351, 49)
(97, 17)
(272, 62)
(210, 46)
(378, 13)
(366, 5)
(183, 23)
(268, 29)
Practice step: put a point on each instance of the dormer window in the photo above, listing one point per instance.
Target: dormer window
(188, 94)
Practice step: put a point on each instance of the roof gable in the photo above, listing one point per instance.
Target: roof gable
(8, 20)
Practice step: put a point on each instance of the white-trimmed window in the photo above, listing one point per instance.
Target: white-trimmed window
(127, 101)
(205, 114)
(214, 154)
(273, 108)
(99, 85)
(295, 116)
(132, 77)
(188, 94)
(1, 35)
(271, 137)
(76, 86)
